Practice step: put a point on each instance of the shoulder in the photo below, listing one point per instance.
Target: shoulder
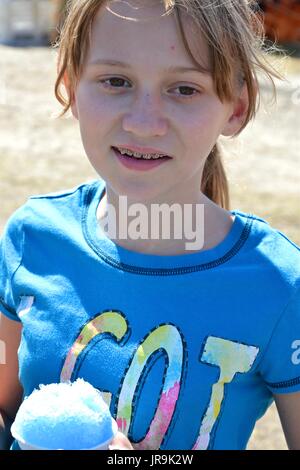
(65, 199)
(54, 215)
(52, 209)
(272, 251)
(267, 239)
(273, 243)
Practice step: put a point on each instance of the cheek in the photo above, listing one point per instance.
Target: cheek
(197, 128)
(93, 109)
(205, 123)
(201, 129)
(92, 113)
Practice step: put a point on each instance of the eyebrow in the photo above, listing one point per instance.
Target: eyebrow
(171, 69)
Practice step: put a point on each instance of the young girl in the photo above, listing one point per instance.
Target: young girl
(188, 346)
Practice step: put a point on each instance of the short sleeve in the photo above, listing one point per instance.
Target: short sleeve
(280, 366)
(11, 252)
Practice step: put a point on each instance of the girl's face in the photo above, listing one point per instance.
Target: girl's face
(142, 101)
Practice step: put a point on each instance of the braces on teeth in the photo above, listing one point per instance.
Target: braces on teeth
(147, 156)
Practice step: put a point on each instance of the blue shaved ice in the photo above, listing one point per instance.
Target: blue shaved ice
(64, 416)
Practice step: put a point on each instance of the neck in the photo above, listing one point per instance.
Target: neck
(159, 228)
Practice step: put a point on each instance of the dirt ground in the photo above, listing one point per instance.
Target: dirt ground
(39, 153)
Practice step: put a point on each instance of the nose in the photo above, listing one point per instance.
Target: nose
(145, 119)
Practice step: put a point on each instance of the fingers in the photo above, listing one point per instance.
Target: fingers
(120, 442)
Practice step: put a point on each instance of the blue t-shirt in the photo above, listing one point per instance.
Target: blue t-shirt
(187, 349)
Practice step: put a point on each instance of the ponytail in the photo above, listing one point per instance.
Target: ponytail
(214, 181)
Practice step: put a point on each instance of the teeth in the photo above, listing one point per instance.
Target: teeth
(147, 156)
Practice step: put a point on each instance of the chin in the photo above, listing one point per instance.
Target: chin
(138, 193)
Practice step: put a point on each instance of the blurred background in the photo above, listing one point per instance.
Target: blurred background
(40, 153)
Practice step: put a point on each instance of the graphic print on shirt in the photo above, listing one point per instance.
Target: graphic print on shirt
(168, 339)
(230, 357)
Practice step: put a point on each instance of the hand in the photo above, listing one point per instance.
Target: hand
(120, 442)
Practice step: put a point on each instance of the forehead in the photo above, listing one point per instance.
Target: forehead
(144, 34)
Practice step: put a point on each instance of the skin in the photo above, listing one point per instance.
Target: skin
(11, 390)
(149, 113)
(288, 407)
(151, 107)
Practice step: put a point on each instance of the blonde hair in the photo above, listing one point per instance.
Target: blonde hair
(234, 33)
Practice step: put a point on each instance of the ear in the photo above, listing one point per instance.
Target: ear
(72, 98)
(239, 114)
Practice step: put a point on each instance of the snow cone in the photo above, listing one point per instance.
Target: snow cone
(64, 416)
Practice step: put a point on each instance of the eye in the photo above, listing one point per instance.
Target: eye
(116, 82)
(186, 91)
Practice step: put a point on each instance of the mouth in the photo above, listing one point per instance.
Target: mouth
(140, 156)
(139, 162)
